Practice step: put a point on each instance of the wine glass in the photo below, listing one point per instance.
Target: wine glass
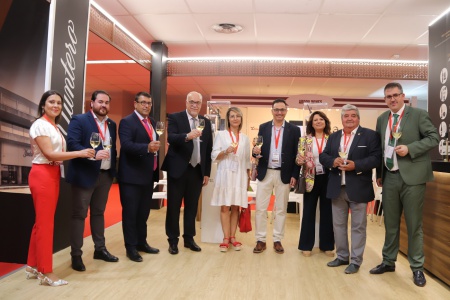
(159, 130)
(343, 153)
(160, 126)
(107, 145)
(234, 145)
(94, 141)
(200, 126)
(259, 143)
(397, 134)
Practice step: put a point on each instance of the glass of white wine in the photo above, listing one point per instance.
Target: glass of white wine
(259, 143)
(94, 141)
(200, 126)
(343, 154)
(234, 145)
(107, 145)
(160, 126)
(397, 134)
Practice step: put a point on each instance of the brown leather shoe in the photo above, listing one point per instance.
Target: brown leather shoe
(278, 247)
(260, 247)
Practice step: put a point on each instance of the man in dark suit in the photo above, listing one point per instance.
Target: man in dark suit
(138, 170)
(276, 170)
(188, 166)
(350, 184)
(405, 169)
(91, 179)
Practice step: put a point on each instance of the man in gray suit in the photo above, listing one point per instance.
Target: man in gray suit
(350, 184)
(405, 169)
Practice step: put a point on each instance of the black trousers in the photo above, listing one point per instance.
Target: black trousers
(187, 187)
(308, 232)
(136, 202)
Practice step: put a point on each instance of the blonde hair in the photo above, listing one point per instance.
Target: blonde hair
(227, 120)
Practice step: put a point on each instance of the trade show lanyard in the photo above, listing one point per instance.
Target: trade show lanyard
(57, 130)
(319, 148)
(102, 134)
(346, 141)
(148, 128)
(232, 139)
(394, 128)
(277, 137)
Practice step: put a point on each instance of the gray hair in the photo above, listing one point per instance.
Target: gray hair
(188, 97)
(348, 107)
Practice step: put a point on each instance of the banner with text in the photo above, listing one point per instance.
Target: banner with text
(71, 21)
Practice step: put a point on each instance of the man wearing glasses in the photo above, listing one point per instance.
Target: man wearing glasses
(277, 171)
(407, 135)
(138, 170)
(188, 166)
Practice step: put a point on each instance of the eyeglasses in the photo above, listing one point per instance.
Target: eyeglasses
(194, 103)
(279, 110)
(145, 103)
(395, 96)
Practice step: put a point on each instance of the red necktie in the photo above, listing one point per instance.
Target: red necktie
(155, 161)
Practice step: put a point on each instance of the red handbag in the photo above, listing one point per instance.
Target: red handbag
(245, 220)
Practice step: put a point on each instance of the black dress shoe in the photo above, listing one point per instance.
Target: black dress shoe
(105, 255)
(380, 269)
(134, 255)
(77, 264)
(337, 262)
(193, 246)
(173, 249)
(419, 278)
(147, 248)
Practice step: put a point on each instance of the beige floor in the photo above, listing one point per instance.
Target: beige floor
(214, 275)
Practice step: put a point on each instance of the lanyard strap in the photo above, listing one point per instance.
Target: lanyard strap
(148, 128)
(277, 137)
(232, 139)
(396, 125)
(102, 134)
(319, 148)
(346, 141)
(57, 130)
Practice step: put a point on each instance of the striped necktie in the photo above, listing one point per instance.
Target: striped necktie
(155, 160)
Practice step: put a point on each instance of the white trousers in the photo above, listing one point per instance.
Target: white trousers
(271, 182)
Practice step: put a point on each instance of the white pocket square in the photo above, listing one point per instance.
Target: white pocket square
(362, 146)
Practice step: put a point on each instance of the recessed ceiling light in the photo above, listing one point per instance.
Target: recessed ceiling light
(227, 28)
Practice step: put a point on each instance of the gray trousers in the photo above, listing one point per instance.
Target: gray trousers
(340, 207)
(95, 199)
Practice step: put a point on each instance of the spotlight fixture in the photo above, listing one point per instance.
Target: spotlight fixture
(227, 28)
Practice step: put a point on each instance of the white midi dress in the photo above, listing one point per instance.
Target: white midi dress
(231, 182)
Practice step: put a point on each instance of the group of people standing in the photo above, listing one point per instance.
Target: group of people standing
(337, 167)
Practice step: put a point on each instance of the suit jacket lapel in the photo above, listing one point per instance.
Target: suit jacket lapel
(355, 141)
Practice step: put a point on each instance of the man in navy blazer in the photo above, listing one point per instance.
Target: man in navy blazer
(188, 166)
(350, 184)
(277, 171)
(138, 170)
(91, 179)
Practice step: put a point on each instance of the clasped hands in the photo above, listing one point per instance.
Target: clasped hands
(349, 165)
(153, 146)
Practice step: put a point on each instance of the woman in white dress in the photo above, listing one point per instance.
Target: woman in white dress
(232, 152)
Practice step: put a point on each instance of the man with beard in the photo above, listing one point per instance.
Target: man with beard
(91, 179)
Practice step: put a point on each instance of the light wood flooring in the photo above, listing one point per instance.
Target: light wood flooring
(211, 274)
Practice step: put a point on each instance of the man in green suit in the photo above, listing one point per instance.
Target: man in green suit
(405, 169)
